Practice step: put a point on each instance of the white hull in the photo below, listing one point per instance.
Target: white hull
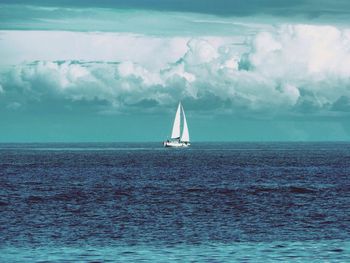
(176, 144)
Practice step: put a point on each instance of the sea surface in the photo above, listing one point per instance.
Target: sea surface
(212, 202)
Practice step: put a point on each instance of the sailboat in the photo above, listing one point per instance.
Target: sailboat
(177, 140)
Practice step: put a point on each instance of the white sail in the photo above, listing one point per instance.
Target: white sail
(176, 126)
(176, 141)
(185, 135)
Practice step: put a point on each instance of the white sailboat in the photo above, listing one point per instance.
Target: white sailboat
(178, 140)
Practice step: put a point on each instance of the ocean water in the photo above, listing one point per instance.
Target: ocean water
(212, 202)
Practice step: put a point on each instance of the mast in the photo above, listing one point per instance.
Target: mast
(176, 126)
(185, 135)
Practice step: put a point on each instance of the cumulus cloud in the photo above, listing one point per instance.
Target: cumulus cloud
(314, 59)
(289, 70)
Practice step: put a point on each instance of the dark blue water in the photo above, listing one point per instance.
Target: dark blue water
(210, 203)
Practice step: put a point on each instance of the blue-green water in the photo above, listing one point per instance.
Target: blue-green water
(245, 202)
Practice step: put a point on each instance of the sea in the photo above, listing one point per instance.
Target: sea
(140, 202)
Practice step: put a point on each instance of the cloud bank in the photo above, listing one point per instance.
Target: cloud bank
(290, 70)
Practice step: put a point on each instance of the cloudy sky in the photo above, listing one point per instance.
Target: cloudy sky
(104, 70)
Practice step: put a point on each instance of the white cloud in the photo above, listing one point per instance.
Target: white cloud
(291, 92)
(315, 59)
(291, 68)
(13, 105)
(25, 46)
(200, 52)
(313, 50)
(128, 69)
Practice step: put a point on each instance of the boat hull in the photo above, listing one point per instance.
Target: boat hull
(176, 144)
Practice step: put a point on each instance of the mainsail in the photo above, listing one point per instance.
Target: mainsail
(176, 126)
(185, 135)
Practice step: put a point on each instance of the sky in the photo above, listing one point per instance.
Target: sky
(109, 71)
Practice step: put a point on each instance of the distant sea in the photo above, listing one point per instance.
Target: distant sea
(140, 202)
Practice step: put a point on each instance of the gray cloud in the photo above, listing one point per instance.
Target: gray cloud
(311, 8)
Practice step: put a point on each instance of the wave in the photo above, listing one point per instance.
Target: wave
(290, 189)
